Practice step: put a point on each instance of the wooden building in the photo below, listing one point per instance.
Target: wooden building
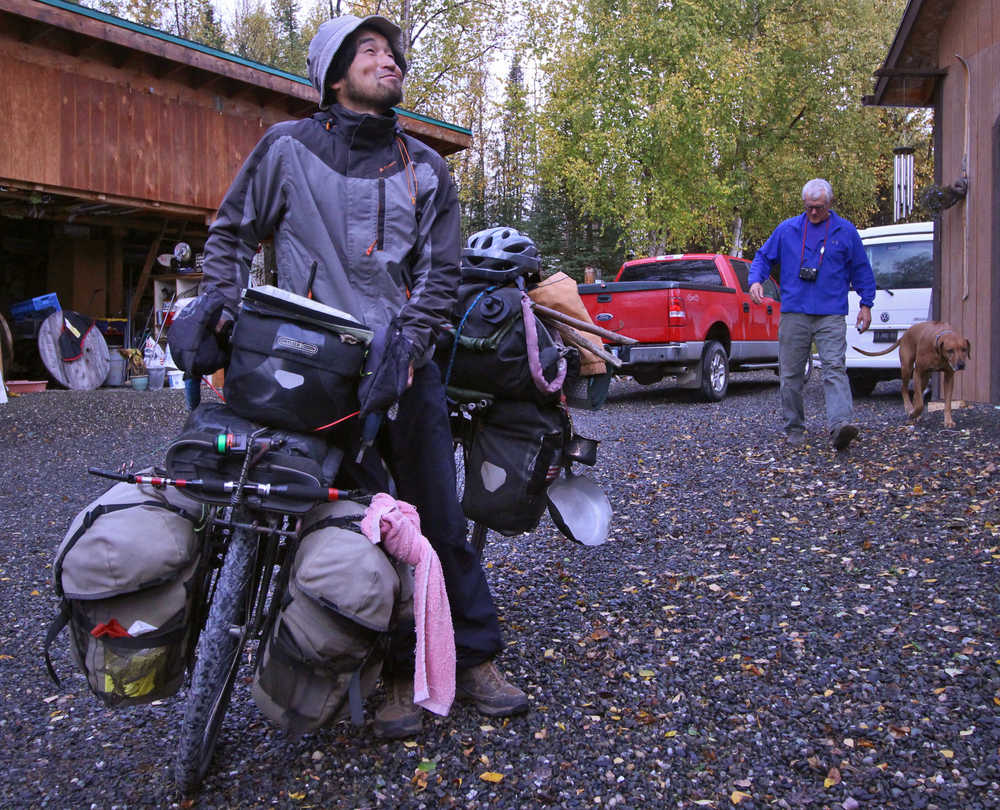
(946, 55)
(120, 140)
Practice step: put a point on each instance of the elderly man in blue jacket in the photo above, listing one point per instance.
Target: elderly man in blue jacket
(821, 258)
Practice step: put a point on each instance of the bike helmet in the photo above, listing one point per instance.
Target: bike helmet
(500, 255)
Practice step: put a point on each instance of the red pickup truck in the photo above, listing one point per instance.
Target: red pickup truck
(693, 318)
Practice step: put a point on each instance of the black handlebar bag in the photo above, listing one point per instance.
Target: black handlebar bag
(295, 363)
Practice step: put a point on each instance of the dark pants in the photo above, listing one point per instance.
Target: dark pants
(419, 451)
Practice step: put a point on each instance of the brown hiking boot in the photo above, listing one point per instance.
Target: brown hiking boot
(398, 716)
(490, 691)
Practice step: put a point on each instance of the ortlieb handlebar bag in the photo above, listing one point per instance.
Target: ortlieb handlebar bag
(514, 453)
(324, 653)
(289, 458)
(128, 573)
(295, 363)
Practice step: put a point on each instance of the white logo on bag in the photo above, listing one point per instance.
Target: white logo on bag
(297, 345)
(288, 379)
(492, 476)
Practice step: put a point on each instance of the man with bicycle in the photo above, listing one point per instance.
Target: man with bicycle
(378, 212)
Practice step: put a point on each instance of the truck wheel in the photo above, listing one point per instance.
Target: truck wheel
(714, 372)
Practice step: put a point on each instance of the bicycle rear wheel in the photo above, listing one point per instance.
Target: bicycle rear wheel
(217, 661)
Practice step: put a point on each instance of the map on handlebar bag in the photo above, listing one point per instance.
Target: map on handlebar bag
(288, 302)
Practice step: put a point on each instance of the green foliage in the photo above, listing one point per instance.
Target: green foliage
(683, 120)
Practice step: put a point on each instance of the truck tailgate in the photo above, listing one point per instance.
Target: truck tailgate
(642, 305)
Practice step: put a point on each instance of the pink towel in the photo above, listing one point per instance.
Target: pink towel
(397, 524)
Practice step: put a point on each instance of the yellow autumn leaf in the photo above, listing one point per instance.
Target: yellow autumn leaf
(832, 778)
(297, 796)
(491, 776)
(947, 753)
(918, 490)
(737, 796)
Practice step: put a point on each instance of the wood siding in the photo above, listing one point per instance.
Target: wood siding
(970, 264)
(84, 126)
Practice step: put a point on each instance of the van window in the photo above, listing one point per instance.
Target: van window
(690, 271)
(902, 265)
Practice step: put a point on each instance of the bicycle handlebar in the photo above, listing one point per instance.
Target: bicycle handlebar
(298, 492)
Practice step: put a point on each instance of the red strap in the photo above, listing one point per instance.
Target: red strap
(110, 628)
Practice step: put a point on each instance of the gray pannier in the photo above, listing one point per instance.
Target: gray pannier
(127, 573)
(323, 655)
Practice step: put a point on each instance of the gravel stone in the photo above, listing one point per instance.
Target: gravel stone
(785, 626)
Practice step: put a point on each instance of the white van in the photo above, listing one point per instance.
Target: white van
(902, 257)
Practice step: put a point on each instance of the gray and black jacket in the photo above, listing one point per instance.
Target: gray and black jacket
(376, 208)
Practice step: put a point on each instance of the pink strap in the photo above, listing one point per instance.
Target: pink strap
(531, 340)
(397, 525)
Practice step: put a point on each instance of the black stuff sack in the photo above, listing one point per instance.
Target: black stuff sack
(514, 453)
(212, 447)
(487, 350)
(295, 363)
(323, 655)
(129, 573)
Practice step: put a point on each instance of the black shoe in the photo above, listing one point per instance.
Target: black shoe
(843, 436)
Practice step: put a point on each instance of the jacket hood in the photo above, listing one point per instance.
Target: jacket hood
(331, 35)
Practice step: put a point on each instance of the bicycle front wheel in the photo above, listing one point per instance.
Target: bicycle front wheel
(216, 663)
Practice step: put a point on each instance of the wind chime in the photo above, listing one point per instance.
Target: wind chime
(902, 187)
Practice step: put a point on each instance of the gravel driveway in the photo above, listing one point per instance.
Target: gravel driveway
(766, 627)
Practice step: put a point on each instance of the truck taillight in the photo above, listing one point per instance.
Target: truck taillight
(676, 314)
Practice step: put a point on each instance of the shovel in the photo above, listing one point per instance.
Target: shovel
(580, 509)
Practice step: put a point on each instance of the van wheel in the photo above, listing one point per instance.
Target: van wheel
(714, 372)
(862, 384)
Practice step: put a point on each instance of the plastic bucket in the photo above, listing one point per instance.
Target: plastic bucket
(116, 371)
(156, 376)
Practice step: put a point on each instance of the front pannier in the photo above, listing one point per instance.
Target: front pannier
(128, 572)
(324, 653)
(514, 454)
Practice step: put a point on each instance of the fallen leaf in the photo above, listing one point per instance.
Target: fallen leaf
(491, 776)
(832, 778)
(297, 796)
(738, 796)
(947, 753)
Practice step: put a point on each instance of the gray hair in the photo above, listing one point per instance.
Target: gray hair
(814, 188)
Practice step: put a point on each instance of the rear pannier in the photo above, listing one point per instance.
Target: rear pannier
(128, 572)
(515, 452)
(324, 653)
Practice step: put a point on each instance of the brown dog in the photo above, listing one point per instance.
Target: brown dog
(923, 348)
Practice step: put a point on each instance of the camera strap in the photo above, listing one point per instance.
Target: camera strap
(822, 250)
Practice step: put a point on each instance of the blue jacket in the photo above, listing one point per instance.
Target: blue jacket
(844, 266)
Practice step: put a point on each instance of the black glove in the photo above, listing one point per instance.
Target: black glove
(197, 344)
(386, 372)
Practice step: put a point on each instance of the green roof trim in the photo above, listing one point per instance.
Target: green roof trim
(229, 57)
